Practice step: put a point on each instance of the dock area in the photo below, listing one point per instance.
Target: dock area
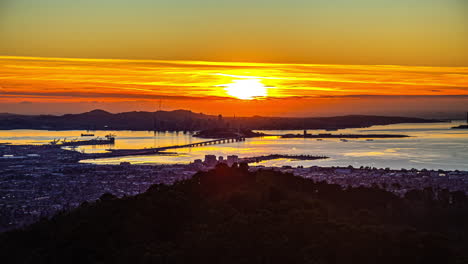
(108, 140)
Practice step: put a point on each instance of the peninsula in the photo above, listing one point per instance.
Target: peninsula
(343, 136)
(462, 126)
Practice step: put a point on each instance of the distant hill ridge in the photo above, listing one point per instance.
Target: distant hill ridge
(179, 120)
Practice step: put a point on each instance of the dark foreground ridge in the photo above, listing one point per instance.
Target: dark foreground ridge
(183, 120)
(231, 215)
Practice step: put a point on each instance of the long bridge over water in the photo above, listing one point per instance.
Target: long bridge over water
(130, 152)
(204, 143)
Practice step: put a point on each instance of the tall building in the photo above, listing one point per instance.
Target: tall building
(232, 159)
(222, 160)
(210, 160)
(197, 164)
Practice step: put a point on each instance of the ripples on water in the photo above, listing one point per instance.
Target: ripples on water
(431, 146)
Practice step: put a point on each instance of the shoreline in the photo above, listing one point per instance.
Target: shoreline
(51, 153)
(193, 131)
(36, 185)
(343, 136)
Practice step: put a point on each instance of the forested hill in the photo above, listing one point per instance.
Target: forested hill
(230, 215)
(180, 120)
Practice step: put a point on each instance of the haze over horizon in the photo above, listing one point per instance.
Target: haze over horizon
(454, 116)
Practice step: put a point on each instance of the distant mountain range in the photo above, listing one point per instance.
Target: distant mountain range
(180, 120)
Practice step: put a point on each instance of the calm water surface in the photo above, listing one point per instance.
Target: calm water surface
(431, 146)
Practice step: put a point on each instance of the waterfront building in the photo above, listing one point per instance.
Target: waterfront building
(197, 164)
(222, 160)
(232, 159)
(210, 160)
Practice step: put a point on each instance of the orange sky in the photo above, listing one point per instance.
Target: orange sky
(62, 85)
(402, 32)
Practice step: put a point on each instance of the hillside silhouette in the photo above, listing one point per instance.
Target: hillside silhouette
(184, 120)
(231, 215)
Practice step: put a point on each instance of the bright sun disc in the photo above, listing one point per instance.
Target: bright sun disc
(246, 89)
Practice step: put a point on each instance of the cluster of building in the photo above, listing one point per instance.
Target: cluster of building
(37, 182)
(396, 181)
(28, 193)
(211, 161)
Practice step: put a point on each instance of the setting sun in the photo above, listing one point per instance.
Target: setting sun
(246, 89)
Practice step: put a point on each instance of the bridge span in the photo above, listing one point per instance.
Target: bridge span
(147, 151)
(205, 143)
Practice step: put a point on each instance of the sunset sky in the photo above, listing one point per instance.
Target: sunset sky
(256, 57)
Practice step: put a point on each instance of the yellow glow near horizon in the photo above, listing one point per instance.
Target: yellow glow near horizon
(246, 89)
(62, 85)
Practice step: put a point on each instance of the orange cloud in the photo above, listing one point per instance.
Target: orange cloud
(183, 84)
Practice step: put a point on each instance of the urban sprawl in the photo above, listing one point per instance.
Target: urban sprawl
(39, 181)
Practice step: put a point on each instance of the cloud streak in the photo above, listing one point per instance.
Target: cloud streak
(38, 79)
